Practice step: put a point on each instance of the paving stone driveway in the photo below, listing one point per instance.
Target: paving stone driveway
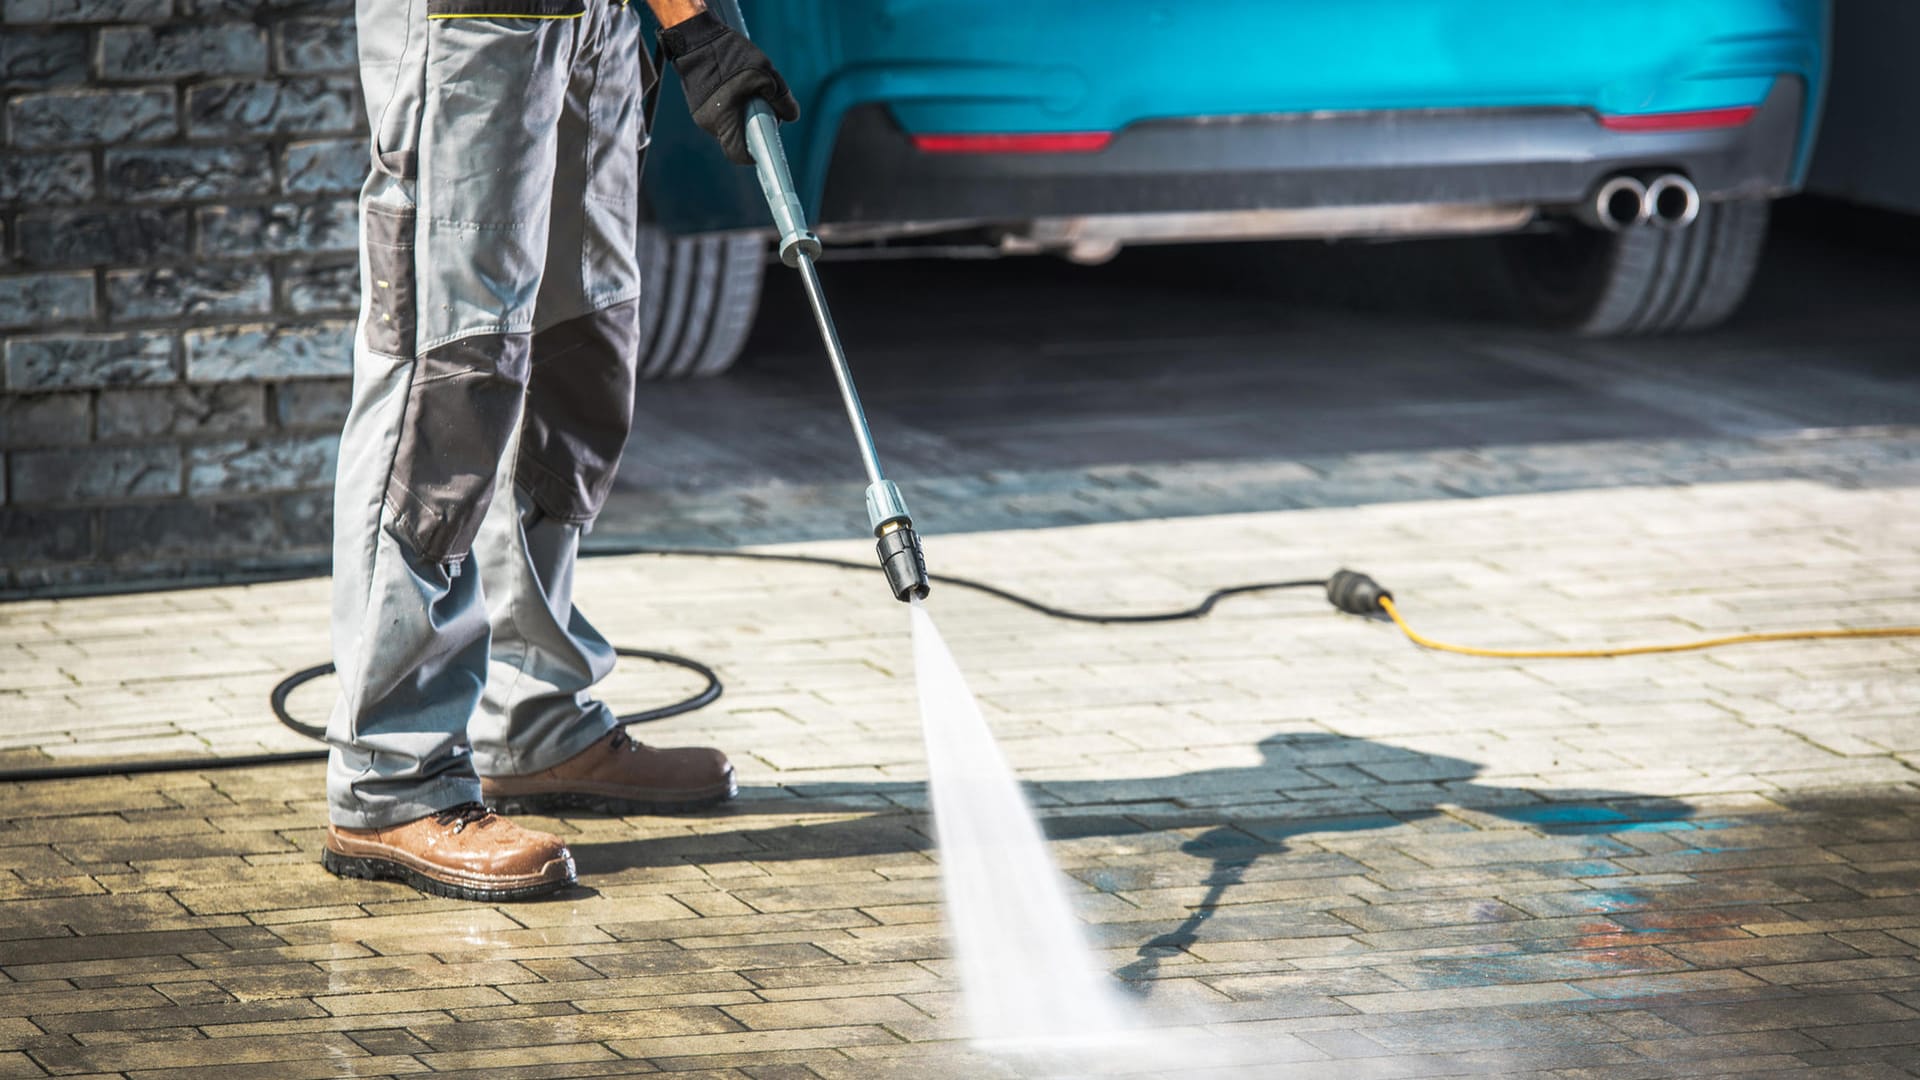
(1358, 858)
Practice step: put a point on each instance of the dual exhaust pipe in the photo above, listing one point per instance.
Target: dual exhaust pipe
(1667, 201)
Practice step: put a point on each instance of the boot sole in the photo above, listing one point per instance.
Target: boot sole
(372, 869)
(598, 804)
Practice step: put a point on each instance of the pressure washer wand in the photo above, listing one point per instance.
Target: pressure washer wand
(900, 556)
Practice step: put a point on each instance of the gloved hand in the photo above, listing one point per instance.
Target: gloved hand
(721, 71)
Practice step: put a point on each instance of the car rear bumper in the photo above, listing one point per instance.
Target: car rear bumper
(1539, 157)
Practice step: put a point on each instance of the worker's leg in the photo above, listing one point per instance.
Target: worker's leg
(541, 742)
(454, 239)
(537, 709)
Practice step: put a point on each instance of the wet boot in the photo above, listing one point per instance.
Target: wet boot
(617, 775)
(466, 853)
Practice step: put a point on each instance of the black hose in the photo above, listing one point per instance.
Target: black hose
(706, 696)
(1199, 610)
(154, 765)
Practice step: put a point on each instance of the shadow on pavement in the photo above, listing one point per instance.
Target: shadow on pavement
(1350, 785)
(1233, 849)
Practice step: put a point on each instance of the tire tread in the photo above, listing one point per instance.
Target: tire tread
(1650, 281)
(699, 296)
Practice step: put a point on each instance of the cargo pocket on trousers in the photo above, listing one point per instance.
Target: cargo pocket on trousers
(462, 405)
(390, 280)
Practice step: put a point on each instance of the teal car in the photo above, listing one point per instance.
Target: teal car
(1624, 152)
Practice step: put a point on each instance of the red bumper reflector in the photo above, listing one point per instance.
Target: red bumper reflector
(1701, 120)
(1063, 142)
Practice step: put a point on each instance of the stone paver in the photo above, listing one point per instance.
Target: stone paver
(1320, 851)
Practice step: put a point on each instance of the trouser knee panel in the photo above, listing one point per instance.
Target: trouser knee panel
(462, 405)
(579, 410)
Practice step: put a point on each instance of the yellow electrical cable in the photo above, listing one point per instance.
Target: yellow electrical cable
(1422, 640)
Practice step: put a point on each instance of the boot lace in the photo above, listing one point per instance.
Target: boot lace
(464, 815)
(620, 738)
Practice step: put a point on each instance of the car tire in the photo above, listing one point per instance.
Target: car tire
(1643, 281)
(698, 296)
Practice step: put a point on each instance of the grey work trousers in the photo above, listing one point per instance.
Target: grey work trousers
(492, 393)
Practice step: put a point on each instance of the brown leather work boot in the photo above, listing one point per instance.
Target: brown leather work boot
(618, 776)
(467, 852)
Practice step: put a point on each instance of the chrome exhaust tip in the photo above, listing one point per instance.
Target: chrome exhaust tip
(1672, 201)
(1618, 204)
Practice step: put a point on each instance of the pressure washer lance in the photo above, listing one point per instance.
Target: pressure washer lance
(900, 556)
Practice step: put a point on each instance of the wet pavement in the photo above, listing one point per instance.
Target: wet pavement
(1333, 854)
(1286, 826)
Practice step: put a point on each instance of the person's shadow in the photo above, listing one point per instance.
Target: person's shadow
(1306, 782)
(1230, 850)
(1231, 854)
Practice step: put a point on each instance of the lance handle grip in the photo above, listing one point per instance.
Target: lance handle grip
(776, 183)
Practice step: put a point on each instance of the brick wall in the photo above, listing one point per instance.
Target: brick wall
(177, 283)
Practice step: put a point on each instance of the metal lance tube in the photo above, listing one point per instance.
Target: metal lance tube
(899, 546)
(849, 395)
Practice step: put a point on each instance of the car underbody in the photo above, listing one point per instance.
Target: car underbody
(1292, 176)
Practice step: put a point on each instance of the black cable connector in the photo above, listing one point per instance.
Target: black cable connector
(1355, 593)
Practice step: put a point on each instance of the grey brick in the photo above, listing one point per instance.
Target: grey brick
(87, 237)
(89, 360)
(45, 535)
(87, 11)
(39, 299)
(46, 178)
(163, 52)
(181, 410)
(315, 44)
(326, 165)
(35, 58)
(314, 403)
(283, 229)
(254, 107)
(78, 474)
(308, 287)
(306, 519)
(251, 466)
(183, 528)
(236, 353)
(180, 173)
(37, 421)
(84, 117)
(180, 292)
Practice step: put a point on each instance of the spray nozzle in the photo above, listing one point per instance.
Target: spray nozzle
(900, 555)
(902, 561)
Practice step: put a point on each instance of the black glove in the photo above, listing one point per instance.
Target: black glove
(721, 71)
